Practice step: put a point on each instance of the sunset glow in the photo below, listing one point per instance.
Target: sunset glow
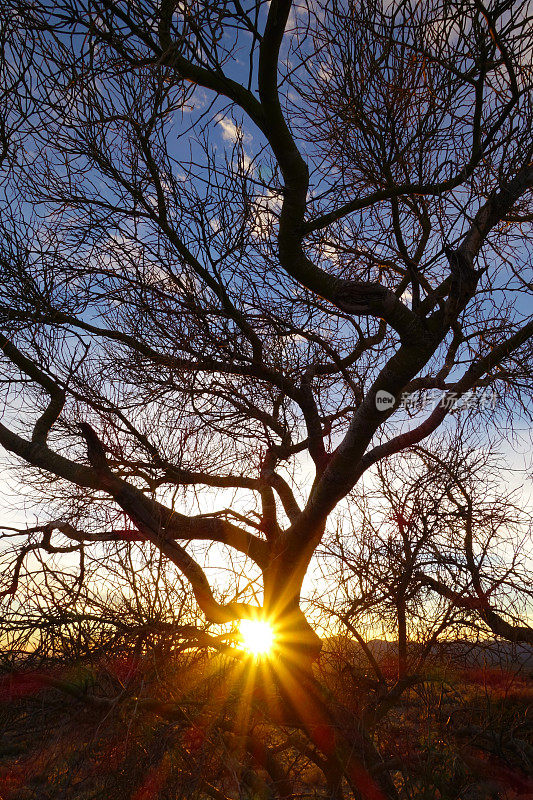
(257, 636)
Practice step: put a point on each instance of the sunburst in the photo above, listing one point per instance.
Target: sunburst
(257, 636)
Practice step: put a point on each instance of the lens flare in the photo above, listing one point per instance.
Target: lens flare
(257, 636)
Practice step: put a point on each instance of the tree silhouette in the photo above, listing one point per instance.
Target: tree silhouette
(229, 231)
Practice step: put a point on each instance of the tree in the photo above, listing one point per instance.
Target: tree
(236, 237)
(439, 545)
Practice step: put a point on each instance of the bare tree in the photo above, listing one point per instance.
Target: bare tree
(435, 547)
(236, 237)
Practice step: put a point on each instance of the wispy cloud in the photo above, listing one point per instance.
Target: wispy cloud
(231, 132)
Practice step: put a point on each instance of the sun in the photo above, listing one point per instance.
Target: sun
(257, 636)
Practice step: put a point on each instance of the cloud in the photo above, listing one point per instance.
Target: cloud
(266, 209)
(232, 132)
(325, 72)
